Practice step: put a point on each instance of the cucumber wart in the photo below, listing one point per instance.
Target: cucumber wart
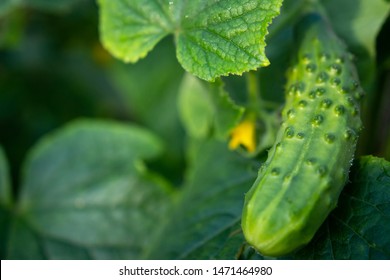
(299, 184)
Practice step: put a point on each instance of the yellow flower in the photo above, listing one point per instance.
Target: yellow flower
(244, 134)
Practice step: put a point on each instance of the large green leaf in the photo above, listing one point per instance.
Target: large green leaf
(153, 104)
(195, 107)
(5, 201)
(209, 207)
(225, 245)
(87, 194)
(204, 107)
(213, 38)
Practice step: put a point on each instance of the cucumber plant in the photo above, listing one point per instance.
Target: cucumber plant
(231, 126)
(308, 165)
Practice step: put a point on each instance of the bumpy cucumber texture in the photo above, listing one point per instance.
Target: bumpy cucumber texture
(308, 165)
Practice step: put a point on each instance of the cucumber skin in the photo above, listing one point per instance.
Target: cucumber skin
(299, 184)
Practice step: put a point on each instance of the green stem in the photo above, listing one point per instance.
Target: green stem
(255, 101)
(253, 89)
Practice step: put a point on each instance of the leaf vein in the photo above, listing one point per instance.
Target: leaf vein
(353, 231)
(206, 47)
(229, 19)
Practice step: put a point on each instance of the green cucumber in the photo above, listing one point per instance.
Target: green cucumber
(307, 167)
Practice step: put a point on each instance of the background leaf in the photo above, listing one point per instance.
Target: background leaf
(150, 100)
(7, 5)
(11, 29)
(5, 185)
(227, 113)
(209, 206)
(5, 201)
(196, 107)
(206, 107)
(213, 38)
(79, 203)
(50, 5)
